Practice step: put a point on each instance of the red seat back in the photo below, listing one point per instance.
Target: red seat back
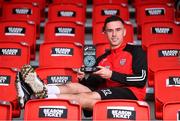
(121, 110)
(40, 3)
(66, 12)
(167, 89)
(138, 3)
(97, 2)
(57, 76)
(5, 111)
(171, 111)
(14, 54)
(101, 12)
(62, 55)
(52, 109)
(78, 2)
(160, 32)
(64, 32)
(154, 13)
(21, 11)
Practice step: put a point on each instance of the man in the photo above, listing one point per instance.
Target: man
(121, 75)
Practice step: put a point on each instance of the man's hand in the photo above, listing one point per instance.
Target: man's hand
(80, 74)
(103, 72)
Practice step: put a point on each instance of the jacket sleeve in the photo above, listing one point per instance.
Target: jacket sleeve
(139, 67)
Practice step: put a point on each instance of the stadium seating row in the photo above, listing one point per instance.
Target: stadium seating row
(59, 109)
(102, 11)
(167, 82)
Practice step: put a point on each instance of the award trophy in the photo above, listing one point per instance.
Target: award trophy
(89, 59)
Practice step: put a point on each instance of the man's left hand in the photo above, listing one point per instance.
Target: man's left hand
(103, 72)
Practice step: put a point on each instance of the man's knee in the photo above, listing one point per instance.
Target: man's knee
(90, 95)
(77, 87)
(88, 99)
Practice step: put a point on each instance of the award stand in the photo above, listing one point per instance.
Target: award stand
(89, 59)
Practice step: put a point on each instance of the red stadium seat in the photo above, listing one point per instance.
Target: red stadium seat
(14, 54)
(160, 32)
(78, 2)
(100, 38)
(66, 12)
(167, 89)
(5, 111)
(22, 11)
(52, 109)
(101, 12)
(40, 3)
(8, 77)
(18, 31)
(137, 3)
(160, 57)
(8, 89)
(64, 32)
(171, 111)
(154, 13)
(110, 110)
(57, 76)
(98, 2)
(62, 55)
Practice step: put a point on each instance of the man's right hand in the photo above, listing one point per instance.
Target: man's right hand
(80, 75)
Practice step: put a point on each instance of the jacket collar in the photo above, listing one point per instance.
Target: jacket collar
(120, 48)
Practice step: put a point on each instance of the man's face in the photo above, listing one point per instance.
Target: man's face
(115, 32)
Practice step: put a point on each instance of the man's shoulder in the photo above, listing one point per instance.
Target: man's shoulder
(135, 50)
(132, 47)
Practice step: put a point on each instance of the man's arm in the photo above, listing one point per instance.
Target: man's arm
(139, 67)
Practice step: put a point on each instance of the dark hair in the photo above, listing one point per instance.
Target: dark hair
(112, 18)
